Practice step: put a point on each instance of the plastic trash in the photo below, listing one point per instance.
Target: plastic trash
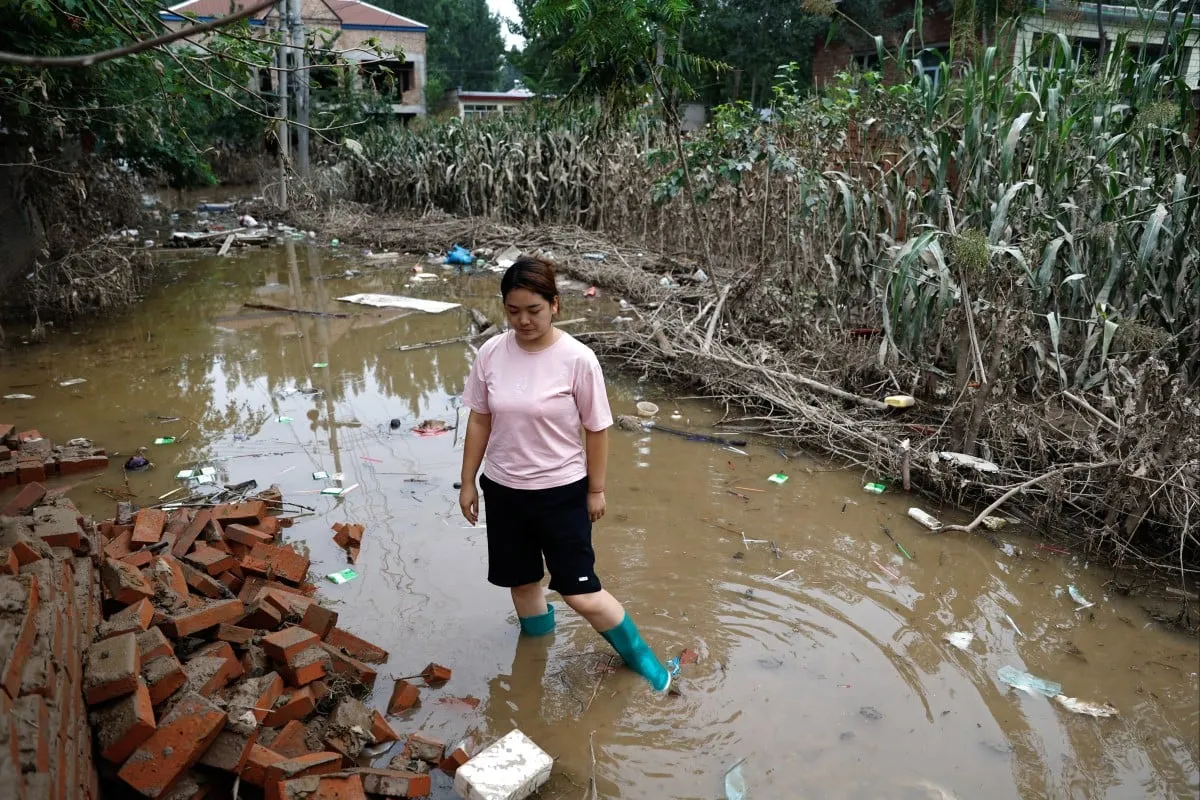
(165, 440)
(18, 397)
(1028, 683)
(1083, 707)
(900, 401)
(928, 520)
(335, 243)
(321, 365)
(72, 381)
(284, 420)
(343, 576)
(594, 256)
(962, 639)
(779, 478)
(964, 460)
(1078, 597)
(994, 523)
(591, 292)
(459, 255)
(320, 476)
(735, 782)
(210, 471)
(875, 488)
(699, 276)
(185, 473)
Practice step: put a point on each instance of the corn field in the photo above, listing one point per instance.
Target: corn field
(1001, 241)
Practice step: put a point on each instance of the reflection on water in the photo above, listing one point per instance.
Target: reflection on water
(822, 653)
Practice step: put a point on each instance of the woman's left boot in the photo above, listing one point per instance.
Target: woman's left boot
(538, 625)
(637, 655)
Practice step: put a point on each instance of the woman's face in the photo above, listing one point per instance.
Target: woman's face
(529, 314)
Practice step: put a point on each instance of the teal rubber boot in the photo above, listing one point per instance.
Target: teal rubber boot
(539, 625)
(637, 655)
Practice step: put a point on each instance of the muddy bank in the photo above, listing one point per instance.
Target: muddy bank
(1095, 472)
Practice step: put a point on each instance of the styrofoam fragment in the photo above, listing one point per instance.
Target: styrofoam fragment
(512, 768)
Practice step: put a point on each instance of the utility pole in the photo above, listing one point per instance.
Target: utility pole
(284, 134)
(301, 82)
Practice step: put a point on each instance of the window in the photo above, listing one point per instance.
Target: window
(866, 62)
(932, 59)
(388, 79)
(480, 109)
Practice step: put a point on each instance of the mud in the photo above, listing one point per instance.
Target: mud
(822, 658)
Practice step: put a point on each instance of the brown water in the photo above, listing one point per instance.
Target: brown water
(822, 662)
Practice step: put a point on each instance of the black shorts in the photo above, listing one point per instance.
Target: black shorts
(523, 525)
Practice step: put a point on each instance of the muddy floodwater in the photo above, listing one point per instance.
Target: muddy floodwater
(823, 665)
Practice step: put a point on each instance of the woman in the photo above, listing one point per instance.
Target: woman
(530, 391)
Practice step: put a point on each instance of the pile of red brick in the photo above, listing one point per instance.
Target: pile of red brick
(29, 457)
(49, 607)
(210, 663)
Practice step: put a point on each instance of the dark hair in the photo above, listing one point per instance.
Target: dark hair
(532, 273)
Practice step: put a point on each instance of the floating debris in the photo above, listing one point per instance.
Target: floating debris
(1083, 707)
(962, 639)
(1028, 683)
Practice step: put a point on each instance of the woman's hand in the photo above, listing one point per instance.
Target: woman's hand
(468, 501)
(595, 503)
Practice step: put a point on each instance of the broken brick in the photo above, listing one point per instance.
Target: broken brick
(456, 756)
(421, 748)
(261, 617)
(148, 526)
(393, 783)
(58, 526)
(183, 544)
(246, 536)
(19, 602)
(204, 583)
(306, 666)
(272, 561)
(163, 676)
(319, 620)
(290, 742)
(123, 583)
(291, 605)
(235, 635)
(168, 579)
(26, 500)
(355, 647)
(152, 644)
(9, 565)
(349, 667)
(283, 645)
(209, 615)
(381, 730)
(308, 764)
(111, 668)
(258, 761)
(295, 706)
(210, 559)
(435, 674)
(138, 558)
(122, 725)
(131, 619)
(33, 730)
(248, 513)
(256, 695)
(175, 746)
(319, 787)
(405, 697)
(230, 751)
(206, 675)
(120, 546)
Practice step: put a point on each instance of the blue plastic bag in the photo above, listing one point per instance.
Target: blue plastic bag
(459, 255)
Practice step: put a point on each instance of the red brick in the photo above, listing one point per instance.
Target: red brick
(269, 526)
(248, 513)
(124, 583)
(120, 545)
(295, 706)
(258, 762)
(206, 676)
(231, 580)
(435, 674)
(425, 749)
(131, 619)
(25, 501)
(230, 751)
(381, 731)
(152, 644)
(355, 647)
(19, 603)
(163, 677)
(138, 559)
(256, 695)
(290, 742)
(121, 726)
(26, 553)
(204, 583)
(191, 786)
(321, 763)
(210, 615)
(33, 730)
(272, 561)
(30, 470)
(58, 526)
(148, 525)
(261, 617)
(319, 787)
(183, 544)
(456, 756)
(168, 573)
(233, 667)
(306, 666)
(26, 438)
(236, 636)
(349, 667)
(246, 536)
(394, 783)
(176, 746)
(210, 559)
(319, 620)
(405, 696)
(285, 644)
(111, 668)
(9, 565)
(290, 604)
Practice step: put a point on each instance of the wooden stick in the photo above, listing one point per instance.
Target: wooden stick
(286, 310)
(716, 318)
(1100, 415)
(224, 251)
(973, 524)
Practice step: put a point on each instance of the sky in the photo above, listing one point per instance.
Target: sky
(507, 10)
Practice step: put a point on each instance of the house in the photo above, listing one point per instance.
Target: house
(830, 58)
(464, 104)
(400, 83)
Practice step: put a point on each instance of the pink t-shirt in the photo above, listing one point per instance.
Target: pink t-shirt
(538, 403)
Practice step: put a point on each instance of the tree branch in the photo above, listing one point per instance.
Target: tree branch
(88, 59)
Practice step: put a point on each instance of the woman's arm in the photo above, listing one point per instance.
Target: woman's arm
(479, 429)
(596, 446)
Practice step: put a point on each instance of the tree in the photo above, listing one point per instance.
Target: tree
(464, 47)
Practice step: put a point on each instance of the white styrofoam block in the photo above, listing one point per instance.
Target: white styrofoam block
(512, 768)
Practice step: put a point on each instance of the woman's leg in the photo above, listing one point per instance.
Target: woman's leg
(534, 613)
(515, 556)
(609, 619)
(600, 609)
